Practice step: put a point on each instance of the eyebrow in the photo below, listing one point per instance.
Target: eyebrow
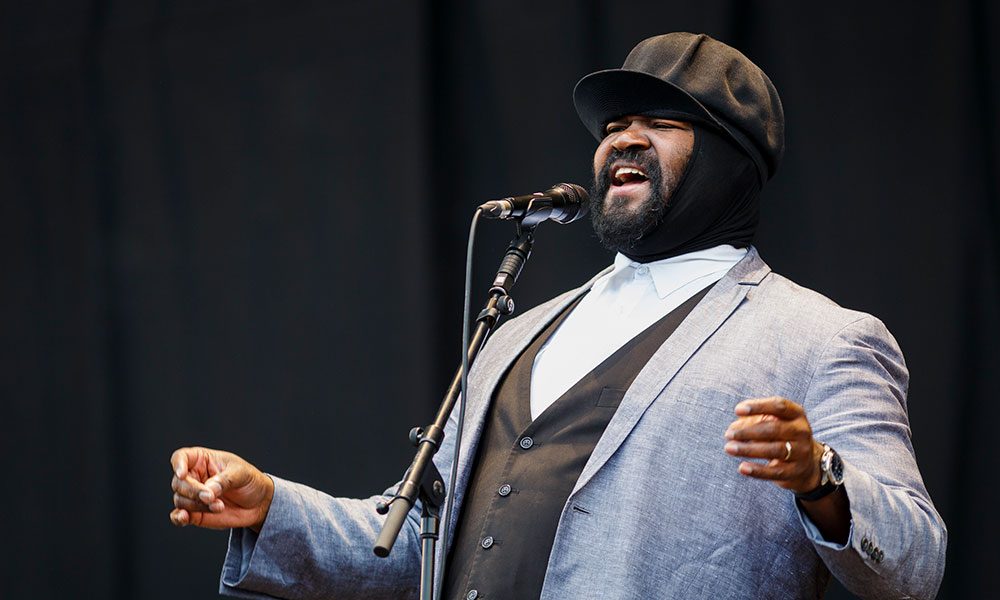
(631, 118)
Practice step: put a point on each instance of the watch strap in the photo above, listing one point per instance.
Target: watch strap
(822, 491)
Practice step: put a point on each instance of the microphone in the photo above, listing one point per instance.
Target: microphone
(562, 203)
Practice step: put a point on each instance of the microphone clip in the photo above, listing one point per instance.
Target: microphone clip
(563, 203)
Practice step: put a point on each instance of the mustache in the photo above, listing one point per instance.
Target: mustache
(643, 158)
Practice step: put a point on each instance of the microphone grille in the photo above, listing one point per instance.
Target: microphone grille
(575, 203)
(574, 192)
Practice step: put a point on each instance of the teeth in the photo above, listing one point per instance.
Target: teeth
(621, 171)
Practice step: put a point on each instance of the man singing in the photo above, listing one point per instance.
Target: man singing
(687, 424)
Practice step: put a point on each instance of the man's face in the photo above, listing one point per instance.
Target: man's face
(637, 167)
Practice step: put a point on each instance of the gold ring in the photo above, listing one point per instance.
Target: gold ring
(788, 450)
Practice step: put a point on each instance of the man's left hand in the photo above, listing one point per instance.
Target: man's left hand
(776, 429)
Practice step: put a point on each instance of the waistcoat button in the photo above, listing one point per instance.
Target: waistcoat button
(504, 490)
(472, 595)
(527, 442)
(487, 541)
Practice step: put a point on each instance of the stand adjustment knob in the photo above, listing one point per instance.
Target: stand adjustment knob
(505, 304)
(415, 434)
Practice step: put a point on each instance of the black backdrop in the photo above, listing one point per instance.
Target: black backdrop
(242, 224)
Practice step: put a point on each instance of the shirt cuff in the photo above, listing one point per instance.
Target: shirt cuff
(813, 532)
(243, 542)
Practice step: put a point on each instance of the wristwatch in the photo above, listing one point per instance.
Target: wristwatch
(831, 478)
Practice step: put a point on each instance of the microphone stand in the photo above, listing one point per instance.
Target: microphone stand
(422, 481)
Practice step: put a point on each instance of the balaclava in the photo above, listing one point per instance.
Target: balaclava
(715, 201)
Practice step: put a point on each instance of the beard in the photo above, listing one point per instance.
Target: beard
(618, 226)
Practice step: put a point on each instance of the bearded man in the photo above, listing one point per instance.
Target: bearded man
(603, 424)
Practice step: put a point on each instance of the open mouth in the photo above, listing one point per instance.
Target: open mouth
(625, 175)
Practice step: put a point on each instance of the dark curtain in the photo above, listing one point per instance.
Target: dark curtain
(242, 224)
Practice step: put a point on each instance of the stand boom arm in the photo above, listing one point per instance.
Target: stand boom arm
(422, 480)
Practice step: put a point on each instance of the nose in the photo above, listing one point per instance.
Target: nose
(631, 137)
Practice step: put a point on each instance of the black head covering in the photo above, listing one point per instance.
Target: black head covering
(717, 202)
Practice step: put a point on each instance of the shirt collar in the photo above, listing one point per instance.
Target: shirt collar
(670, 274)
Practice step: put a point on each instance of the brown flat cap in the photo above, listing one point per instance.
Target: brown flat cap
(695, 75)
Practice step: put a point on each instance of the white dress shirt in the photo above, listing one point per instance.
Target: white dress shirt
(619, 306)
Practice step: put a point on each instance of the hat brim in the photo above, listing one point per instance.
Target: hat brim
(604, 96)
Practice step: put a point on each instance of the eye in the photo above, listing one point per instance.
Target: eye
(664, 125)
(613, 128)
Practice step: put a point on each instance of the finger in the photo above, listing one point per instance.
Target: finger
(757, 429)
(774, 470)
(180, 517)
(191, 488)
(761, 429)
(196, 505)
(769, 450)
(179, 462)
(782, 408)
(186, 460)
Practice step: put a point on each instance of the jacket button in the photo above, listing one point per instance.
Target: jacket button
(472, 595)
(527, 442)
(487, 541)
(866, 545)
(504, 490)
(879, 555)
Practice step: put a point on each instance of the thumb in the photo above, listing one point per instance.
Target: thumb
(234, 475)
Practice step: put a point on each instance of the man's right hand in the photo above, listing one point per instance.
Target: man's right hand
(218, 490)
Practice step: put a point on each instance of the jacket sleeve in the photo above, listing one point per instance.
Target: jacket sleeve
(313, 545)
(856, 403)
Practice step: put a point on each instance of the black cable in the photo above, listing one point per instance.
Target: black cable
(466, 315)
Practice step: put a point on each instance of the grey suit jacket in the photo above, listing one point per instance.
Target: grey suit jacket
(660, 510)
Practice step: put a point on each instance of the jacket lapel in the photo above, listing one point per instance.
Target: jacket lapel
(700, 324)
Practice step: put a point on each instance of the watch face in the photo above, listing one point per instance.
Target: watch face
(836, 469)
